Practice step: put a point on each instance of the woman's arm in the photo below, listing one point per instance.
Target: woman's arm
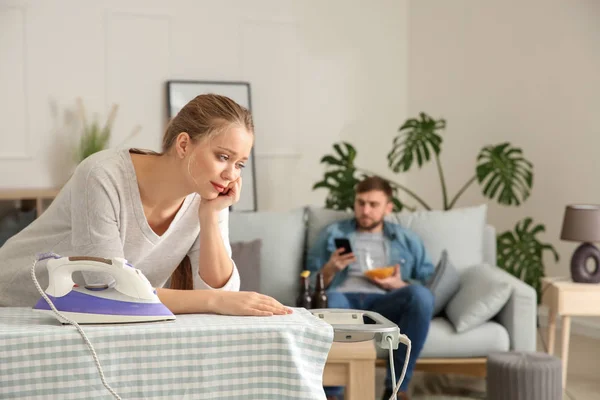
(215, 266)
(220, 302)
(187, 301)
(95, 206)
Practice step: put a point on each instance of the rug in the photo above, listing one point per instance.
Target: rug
(431, 386)
(441, 397)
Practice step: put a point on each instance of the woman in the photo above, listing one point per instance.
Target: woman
(166, 213)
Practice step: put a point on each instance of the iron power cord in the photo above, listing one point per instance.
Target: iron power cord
(406, 341)
(75, 324)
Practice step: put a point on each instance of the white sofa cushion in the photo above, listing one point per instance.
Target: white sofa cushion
(460, 231)
(479, 298)
(444, 342)
(318, 218)
(282, 234)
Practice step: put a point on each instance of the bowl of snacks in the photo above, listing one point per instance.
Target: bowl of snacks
(380, 273)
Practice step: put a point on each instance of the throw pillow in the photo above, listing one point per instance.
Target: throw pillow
(246, 256)
(460, 231)
(479, 298)
(444, 283)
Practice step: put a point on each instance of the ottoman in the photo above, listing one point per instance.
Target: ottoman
(523, 376)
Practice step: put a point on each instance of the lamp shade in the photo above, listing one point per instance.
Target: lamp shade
(581, 223)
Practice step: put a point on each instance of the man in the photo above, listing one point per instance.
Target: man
(401, 298)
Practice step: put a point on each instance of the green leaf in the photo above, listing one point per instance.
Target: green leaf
(504, 174)
(331, 160)
(418, 139)
(398, 205)
(343, 157)
(322, 184)
(340, 177)
(520, 253)
(93, 140)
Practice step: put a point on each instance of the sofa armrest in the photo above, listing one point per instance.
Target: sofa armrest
(519, 314)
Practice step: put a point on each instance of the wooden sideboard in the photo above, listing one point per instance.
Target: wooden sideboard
(36, 195)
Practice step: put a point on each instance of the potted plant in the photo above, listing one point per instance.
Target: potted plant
(94, 137)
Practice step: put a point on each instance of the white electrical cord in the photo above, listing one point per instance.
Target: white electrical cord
(76, 325)
(405, 340)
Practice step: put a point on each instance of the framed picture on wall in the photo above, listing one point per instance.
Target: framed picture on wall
(180, 92)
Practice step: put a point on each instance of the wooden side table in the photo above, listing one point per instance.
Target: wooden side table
(566, 298)
(352, 365)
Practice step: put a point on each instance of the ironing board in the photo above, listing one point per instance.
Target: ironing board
(194, 357)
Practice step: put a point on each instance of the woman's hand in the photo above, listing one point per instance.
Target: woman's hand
(248, 303)
(229, 197)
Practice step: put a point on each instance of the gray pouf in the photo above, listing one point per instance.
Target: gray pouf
(523, 376)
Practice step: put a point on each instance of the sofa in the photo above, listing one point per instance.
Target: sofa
(278, 241)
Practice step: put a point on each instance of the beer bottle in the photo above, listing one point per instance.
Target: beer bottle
(319, 299)
(304, 298)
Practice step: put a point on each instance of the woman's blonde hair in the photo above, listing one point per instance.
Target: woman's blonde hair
(206, 115)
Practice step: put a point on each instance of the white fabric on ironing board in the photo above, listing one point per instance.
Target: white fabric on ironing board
(99, 213)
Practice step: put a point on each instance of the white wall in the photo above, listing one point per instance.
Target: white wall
(320, 72)
(524, 72)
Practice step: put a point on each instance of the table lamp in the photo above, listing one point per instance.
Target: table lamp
(581, 223)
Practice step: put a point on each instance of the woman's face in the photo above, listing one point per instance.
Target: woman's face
(218, 161)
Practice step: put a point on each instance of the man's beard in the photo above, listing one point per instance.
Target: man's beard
(370, 226)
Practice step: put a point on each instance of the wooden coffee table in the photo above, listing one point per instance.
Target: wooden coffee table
(352, 365)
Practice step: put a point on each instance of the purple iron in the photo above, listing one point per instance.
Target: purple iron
(131, 299)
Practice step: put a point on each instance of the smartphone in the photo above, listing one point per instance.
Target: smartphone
(343, 243)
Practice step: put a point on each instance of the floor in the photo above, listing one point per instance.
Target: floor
(583, 374)
(583, 379)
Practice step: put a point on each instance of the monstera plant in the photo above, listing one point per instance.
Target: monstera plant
(501, 171)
